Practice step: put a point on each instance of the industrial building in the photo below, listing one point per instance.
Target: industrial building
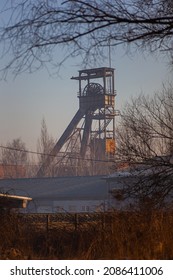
(64, 194)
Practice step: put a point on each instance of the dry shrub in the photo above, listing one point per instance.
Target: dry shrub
(118, 235)
(134, 235)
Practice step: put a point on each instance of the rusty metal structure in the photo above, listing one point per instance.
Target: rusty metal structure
(88, 142)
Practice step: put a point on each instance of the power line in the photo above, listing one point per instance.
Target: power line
(51, 155)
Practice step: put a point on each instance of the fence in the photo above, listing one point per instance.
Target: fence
(69, 221)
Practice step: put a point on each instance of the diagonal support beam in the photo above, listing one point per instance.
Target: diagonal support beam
(76, 119)
(86, 134)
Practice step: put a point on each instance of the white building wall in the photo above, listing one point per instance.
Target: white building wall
(79, 206)
(68, 206)
(76, 206)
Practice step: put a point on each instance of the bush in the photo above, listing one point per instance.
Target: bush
(118, 235)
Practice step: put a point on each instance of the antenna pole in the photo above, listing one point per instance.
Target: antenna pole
(110, 53)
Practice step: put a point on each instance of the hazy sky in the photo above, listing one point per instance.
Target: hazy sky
(30, 97)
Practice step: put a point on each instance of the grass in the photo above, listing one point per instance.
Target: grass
(119, 235)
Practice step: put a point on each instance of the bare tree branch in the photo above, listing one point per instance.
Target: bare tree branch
(145, 142)
(34, 28)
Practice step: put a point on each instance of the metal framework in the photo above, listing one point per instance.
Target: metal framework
(90, 136)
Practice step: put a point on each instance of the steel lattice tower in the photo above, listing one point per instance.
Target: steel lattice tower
(91, 132)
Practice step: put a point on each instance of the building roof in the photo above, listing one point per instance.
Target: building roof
(94, 73)
(13, 201)
(57, 188)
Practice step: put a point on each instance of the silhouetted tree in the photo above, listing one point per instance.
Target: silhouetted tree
(44, 147)
(14, 159)
(145, 142)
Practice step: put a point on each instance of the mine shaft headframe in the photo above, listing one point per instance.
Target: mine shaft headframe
(96, 105)
(96, 88)
(106, 74)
